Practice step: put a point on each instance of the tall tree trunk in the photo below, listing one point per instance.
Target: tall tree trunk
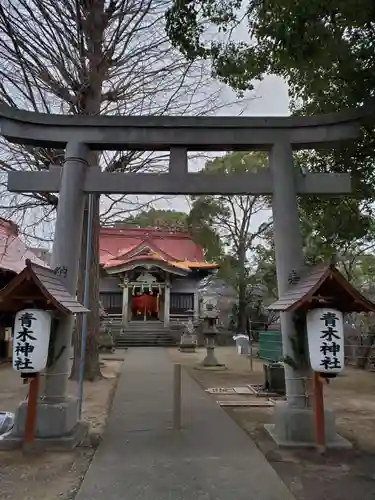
(92, 365)
(90, 104)
(242, 305)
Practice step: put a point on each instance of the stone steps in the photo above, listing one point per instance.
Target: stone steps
(131, 340)
(143, 334)
(150, 339)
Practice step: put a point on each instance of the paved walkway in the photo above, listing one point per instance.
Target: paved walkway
(141, 458)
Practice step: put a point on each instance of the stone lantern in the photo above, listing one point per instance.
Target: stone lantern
(210, 315)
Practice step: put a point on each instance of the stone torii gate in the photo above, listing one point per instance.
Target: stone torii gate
(279, 136)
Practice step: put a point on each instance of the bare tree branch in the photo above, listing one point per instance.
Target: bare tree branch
(110, 57)
(91, 57)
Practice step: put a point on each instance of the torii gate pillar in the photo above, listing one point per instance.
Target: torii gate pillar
(293, 418)
(57, 414)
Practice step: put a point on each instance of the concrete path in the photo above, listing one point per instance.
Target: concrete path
(141, 458)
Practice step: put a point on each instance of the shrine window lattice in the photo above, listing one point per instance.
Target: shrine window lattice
(181, 302)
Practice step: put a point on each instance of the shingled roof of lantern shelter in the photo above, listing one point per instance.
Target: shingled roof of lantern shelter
(49, 285)
(302, 294)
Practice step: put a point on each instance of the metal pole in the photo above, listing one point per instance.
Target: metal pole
(251, 347)
(319, 413)
(86, 299)
(32, 408)
(177, 397)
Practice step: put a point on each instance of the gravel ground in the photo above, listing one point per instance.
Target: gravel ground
(52, 476)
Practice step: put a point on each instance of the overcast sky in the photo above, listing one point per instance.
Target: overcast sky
(272, 98)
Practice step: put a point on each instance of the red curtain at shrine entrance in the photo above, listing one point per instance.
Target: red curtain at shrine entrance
(144, 306)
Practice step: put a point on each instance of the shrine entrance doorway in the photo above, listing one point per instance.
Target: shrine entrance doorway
(145, 307)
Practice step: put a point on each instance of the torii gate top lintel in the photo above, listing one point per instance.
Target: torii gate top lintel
(178, 135)
(208, 133)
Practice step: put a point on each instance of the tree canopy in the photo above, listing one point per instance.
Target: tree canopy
(153, 217)
(237, 221)
(325, 52)
(307, 43)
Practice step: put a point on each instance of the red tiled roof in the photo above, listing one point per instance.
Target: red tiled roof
(13, 251)
(117, 242)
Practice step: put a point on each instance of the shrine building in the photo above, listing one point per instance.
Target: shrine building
(150, 274)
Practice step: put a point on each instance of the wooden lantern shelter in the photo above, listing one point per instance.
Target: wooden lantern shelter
(39, 287)
(322, 286)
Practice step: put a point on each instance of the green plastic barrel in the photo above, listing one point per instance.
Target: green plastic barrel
(270, 346)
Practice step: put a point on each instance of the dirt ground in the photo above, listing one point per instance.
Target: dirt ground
(338, 475)
(57, 475)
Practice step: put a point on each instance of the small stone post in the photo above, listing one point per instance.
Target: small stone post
(177, 388)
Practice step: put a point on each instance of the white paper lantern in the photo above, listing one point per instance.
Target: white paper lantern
(325, 333)
(32, 329)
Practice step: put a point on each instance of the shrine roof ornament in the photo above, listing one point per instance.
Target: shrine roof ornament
(146, 278)
(35, 284)
(322, 286)
(145, 246)
(195, 133)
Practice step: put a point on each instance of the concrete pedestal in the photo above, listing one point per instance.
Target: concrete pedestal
(53, 419)
(294, 427)
(57, 425)
(210, 359)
